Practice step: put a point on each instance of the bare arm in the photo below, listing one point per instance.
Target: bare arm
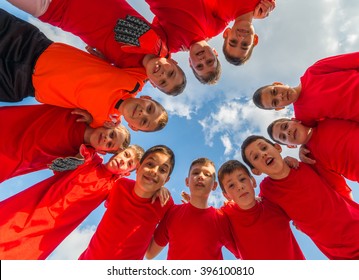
(153, 250)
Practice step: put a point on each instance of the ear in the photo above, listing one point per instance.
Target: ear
(255, 171)
(277, 84)
(225, 32)
(226, 196)
(292, 146)
(214, 186)
(278, 147)
(145, 97)
(168, 178)
(279, 108)
(254, 182)
(214, 51)
(255, 40)
(294, 119)
(132, 127)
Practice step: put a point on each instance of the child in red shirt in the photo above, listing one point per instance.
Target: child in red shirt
(127, 226)
(328, 89)
(57, 205)
(332, 143)
(61, 75)
(194, 230)
(260, 228)
(38, 134)
(329, 219)
(97, 24)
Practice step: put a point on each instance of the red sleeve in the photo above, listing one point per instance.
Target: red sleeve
(161, 233)
(331, 64)
(227, 235)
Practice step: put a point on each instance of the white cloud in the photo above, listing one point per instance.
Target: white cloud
(227, 144)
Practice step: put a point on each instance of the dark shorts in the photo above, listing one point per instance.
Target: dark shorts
(20, 46)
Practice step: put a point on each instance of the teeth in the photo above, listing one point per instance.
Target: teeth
(268, 161)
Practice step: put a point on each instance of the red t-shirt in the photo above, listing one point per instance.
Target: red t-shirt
(188, 21)
(330, 89)
(330, 220)
(34, 135)
(94, 22)
(35, 221)
(127, 226)
(263, 232)
(334, 145)
(195, 234)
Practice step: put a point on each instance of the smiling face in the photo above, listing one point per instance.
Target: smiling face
(239, 187)
(290, 132)
(164, 73)
(141, 113)
(152, 174)
(201, 179)
(265, 158)
(123, 163)
(203, 58)
(106, 139)
(239, 39)
(278, 96)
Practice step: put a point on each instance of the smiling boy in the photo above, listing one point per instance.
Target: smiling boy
(312, 205)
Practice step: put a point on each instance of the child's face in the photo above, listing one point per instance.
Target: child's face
(123, 163)
(201, 179)
(164, 73)
(152, 174)
(240, 39)
(278, 96)
(290, 132)
(239, 187)
(203, 58)
(106, 139)
(265, 158)
(142, 114)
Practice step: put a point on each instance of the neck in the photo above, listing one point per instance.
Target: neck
(87, 135)
(283, 173)
(247, 17)
(199, 202)
(298, 90)
(309, 134)
(141, 193)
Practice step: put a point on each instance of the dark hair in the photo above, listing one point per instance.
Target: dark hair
(213, 77)
(161, 149)
(126, 141)
(139, 151)
(257, 98)
(236, 60)
(178, 89)
(203, 161)
(270, 129)
(228, 168)
(249, 140)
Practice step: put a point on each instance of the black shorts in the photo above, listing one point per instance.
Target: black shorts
(20, 46)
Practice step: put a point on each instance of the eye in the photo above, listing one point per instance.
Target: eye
(210, 62)
(109, 144)
(144, 122)
(162, 82)
(112, 134)
(242, 179)
(127, 154)
(163, 170)
(233, 42)
(170, 74)
(199, 66)
(207, 174)
(150, 109)
(230, 186)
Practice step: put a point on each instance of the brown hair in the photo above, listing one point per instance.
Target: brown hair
(249, 140)
(213, 77)
(236, 60)
(202, 161)
(228, 168)
(257, 98)
(270, 129)
(161, 149)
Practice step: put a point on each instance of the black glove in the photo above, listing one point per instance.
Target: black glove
(64, 164)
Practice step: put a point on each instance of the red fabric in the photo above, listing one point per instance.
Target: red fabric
(35, 221)
(195, 234)
(188, 21)
(330, 220)
(263, 232)
(127, 226)
(334, 145)
(94, 25)
(34, 135)
(68, 77)
(330, 89)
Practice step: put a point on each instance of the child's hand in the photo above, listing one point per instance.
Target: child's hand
(263, 9)
(84, 116)
(185, 197)
(163, 194)
(292, 162)
(95, 52)
(303, 155)
(109, 124)
(139, 36)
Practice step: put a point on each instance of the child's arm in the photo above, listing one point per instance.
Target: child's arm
(303, 155)
(185, 197)
(153, 250)
(349, 61)
(84, 116)
(263, 9)
(163, 194)
(291, 162)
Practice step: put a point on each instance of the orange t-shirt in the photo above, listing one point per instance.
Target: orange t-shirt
(68, 77)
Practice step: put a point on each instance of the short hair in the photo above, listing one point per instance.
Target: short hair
(257, 98)
(139, 151)
(249, 140)
(127, 139)
(161, 149)
(236, 60)
(213, 77)
(178, 89)
(202, 161)
(228, 168)
(163, 118)
(270, 129)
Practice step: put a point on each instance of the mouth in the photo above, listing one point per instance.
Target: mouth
(295, 134)
(288, 95)
(150, 179)
(243, 194)
(269, 161)
(200, 185)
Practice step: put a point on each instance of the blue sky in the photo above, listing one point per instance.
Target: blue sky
(212, 121)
